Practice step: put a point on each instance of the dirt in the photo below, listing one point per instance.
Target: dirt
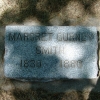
(46, 12)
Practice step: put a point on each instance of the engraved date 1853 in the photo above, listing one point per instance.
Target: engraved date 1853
(30, 63)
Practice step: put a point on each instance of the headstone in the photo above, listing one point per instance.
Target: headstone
(50, 52)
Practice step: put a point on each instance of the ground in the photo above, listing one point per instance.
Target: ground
(48, 12)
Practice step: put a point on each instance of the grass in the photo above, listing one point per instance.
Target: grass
(67, 12)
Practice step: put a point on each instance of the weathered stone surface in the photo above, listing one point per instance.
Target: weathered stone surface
(52, 52)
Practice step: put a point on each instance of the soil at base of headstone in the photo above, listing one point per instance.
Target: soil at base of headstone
(40, 94)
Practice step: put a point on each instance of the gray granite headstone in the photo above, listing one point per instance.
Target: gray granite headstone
(50, 52)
